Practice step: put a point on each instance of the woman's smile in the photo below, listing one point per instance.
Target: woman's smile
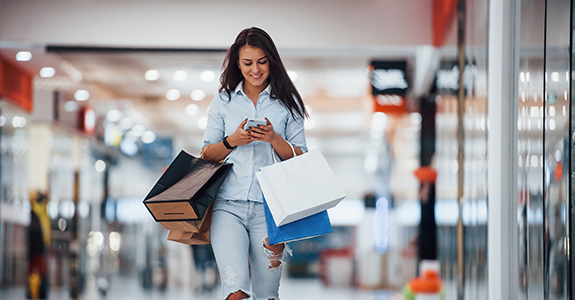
(253, 64)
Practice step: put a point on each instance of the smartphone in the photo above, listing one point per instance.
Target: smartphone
(254, 123)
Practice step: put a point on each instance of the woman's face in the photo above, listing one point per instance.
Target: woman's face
(255, 67)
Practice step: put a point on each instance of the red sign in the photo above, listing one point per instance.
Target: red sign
(16, 85)
(87, 120)
(443, 18)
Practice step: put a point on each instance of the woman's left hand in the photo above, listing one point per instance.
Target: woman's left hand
(263, 133)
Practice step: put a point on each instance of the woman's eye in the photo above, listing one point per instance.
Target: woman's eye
(263, 62)
(248, 64)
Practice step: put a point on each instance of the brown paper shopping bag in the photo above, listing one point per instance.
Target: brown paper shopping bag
(197, 237)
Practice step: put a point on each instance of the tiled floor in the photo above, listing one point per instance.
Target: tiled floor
(291, 289)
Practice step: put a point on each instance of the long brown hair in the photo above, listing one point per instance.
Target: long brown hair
(282, 87)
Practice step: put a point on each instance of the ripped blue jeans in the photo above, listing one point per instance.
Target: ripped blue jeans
(238, 235)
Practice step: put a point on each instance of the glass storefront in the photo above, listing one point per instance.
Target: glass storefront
(14, 204)
(543, 149)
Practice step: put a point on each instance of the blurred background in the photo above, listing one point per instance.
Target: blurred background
(98, 97)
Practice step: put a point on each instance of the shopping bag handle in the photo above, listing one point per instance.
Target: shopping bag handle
(292, 151)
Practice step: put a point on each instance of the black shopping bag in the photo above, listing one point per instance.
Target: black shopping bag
(186, 189)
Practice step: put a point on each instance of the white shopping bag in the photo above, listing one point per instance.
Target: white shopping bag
(299, 187)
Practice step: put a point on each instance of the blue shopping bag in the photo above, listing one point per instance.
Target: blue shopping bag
(305, 228)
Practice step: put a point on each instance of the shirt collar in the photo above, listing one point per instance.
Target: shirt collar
(240, 89)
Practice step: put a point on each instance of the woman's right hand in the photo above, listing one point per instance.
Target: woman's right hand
(240, 137)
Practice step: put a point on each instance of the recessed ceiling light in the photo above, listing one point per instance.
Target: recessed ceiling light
(23, 56)
(198, 95)
(138, 130)
(207, 76)
(18, 122)
(100, 165)
(180, 75)
(309, 124)
(126, 123)
(202, 123)
(173, 95)
(81, 95)
(292, 75)
(71, 106)
(148, 137)
(47, 72)
(152, 75)
(129, 147)
(114, 115)
(192, 110)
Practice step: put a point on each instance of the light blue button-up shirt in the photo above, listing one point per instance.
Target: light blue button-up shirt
(225, 116)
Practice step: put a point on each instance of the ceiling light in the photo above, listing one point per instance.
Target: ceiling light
(192, 110)
(552, 111)
(309, 124)
(18, 122)
(83, 209)
(67, 210)
(203, 123)
(415, 118)
(180, 75)
(115, 241)
(71, 106)
(100, 165)
(152, 75)
(129, 147)
(47, 72)
(81, 95)
(207, 76)
(23, 56)
(114, 115)
(138, 130)
(292, 75)
(396, 100)
(309, 109)
(131, 136)
(126, 123)
(198, 95)
(173, 95)
(148, 137)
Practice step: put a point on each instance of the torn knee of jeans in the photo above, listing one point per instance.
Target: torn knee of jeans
(275, 253)
(238, 295)
(230, 276)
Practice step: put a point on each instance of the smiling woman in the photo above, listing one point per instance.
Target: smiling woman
(254, 85)
(255, 68)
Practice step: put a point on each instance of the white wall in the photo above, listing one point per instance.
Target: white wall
(215, 23)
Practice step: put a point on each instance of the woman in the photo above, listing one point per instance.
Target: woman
(254, 84)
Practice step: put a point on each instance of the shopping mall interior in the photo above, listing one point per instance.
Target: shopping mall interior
(447, 123)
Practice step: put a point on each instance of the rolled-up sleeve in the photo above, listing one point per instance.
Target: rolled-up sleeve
(215, 127)
(295, 133)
